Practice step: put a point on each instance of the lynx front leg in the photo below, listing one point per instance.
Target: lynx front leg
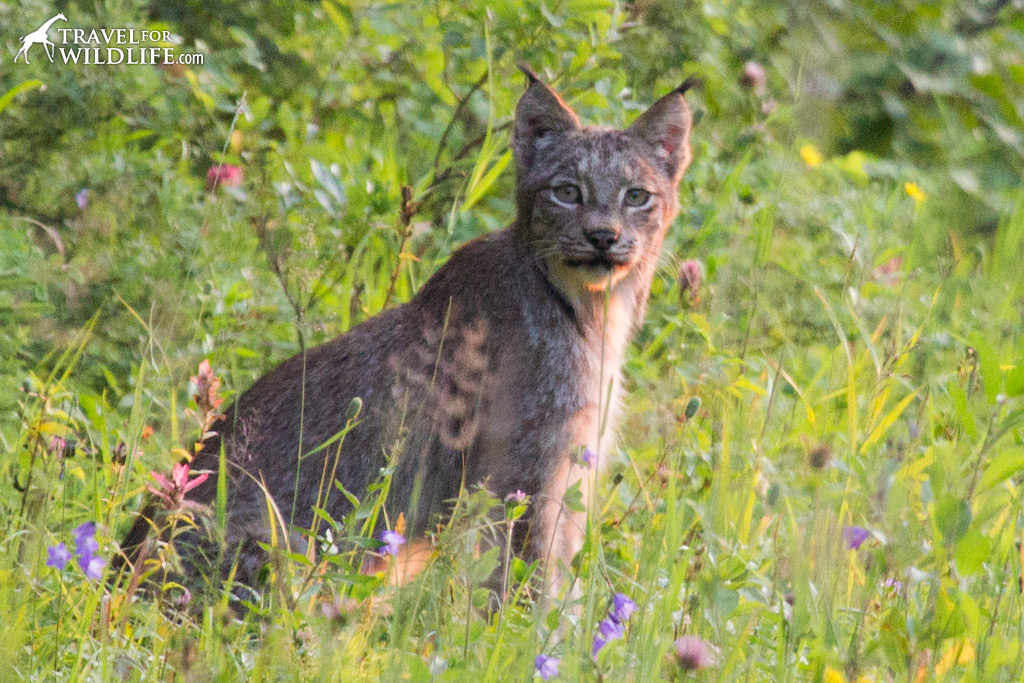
(559, 528)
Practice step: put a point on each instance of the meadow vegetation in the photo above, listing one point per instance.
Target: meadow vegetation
(820, 471)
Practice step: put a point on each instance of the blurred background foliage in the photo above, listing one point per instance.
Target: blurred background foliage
(855, 199)
(341, 104)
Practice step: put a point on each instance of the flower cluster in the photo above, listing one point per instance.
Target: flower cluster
(85, 550)
(86, 546)
(613, 626)
(172, 491)
(206, 395)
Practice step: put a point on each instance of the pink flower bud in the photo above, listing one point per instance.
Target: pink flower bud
(691, 275)
(223, 175)
(754, 78)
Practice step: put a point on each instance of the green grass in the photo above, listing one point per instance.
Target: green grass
(854, 356)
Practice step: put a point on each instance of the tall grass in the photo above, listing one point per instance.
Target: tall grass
(899, 414)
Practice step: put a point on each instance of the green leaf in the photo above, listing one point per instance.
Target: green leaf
(1002, 467)
(726, 600)
(573, 498)
(1015, 381)
(971, 551)
(962, 412)
(8, 96)
(887, 422)
(485, 566)
(478, 187)
(222, 487)
(953, 518)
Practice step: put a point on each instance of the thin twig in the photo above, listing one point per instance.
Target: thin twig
(274, 261)
(455, 117)
(406, 214)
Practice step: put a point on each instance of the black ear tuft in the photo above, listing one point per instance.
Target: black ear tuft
(531, 76)
(666, 128)
(689, 84)
(540, 113)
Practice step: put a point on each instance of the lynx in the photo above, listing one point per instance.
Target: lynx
(500, 372)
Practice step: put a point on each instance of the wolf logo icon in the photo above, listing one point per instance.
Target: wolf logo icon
(39, 36)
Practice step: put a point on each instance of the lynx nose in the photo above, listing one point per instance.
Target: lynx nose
(603, 238)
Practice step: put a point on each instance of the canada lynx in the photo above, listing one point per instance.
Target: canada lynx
(500, 371)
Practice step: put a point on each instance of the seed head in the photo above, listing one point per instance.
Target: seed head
(820, 457)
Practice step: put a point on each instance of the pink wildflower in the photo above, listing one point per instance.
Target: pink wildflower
(223, 175)
(172, 491)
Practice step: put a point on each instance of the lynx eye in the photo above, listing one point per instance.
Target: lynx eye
(566, 194)
(636, 197)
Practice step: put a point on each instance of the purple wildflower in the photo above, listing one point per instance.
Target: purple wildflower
(516, 497)
(391, 541)
(82, 198)
(93, 566)
(589, 458)
(855, 536)
(85, 540)
(893, 584)
(58, 556)
(622, 608)
(607, 631)
(693, 653)
(83, 530)
(86, 547)
(546, 667)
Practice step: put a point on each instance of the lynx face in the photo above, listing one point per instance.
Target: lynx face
(595, 202)
(600, 206)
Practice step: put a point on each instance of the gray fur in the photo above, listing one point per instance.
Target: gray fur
(494, 372)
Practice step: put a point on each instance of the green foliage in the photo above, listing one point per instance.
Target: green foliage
(850, 355)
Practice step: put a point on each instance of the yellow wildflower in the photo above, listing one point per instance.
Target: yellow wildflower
(957, 654)
(831, 675)
(913, 191)
(811, 156)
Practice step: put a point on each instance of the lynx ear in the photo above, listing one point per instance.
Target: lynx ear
(666, 128)
(539, 114)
